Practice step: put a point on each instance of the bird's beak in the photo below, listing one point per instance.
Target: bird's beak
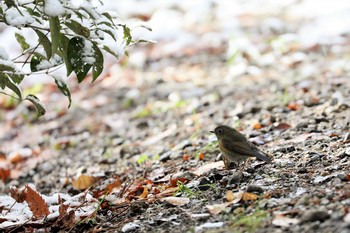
(211, 131)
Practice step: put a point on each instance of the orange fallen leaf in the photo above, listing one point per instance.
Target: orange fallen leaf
(36, 203)
(185, 157)
(201, 156)
(4, 174)
(293, 106)
(83, 182)
(257, 126)
(144, 194)
(249, 197)
(229, 195)
(173, 182)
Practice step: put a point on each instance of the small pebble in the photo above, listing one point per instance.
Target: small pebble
(302, 170)
(129, 227)
(346, 137)
(204, 184)
(255, 189)
(342, 177)
(314, 215)
(236, 178)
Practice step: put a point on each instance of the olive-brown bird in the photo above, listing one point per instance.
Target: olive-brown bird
(235, 147)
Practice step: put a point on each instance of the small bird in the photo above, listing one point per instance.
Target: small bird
(235, 147)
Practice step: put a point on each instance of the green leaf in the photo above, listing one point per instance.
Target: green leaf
(34, 62)
(97, 68)
(22, 41)
(16, 78)
(109, 32)
(6, 81)
(40, 110)
(77, 58)
(107, 49)
(45, 42)
(109, 17)
(78, 28)
(63, 88)
(127, 35)
(55, 28)
(63, 49)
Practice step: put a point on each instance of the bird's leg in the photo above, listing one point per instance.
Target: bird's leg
(227, 163)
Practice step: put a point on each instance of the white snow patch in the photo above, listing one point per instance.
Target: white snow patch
(3, 54)
(53, 8)
(15, 18)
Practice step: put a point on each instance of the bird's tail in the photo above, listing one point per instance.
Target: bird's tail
(262, 156)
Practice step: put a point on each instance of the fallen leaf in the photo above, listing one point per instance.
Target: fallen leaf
(282, 126)
(168, 192)
(83, 182)
(218, 208)
(144, 194)
(257, 126)
(4, 174)
(229, 195)
(207, 167)
(201, 156)
(36, 203)
(17, 194)
(293, 106)
(173, 182)
(114, 185)
(177, 201)
(249, 197)
(185, 157)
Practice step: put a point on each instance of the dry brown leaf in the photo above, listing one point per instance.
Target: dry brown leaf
(177, 201)
(201, 156)
(293, 106)
(168, 192)
(185, 157)
(249, 197)
(18, 195)
(229, 196)
(282, 126)
(62, 209)
(144, 194)
(4, 174)
(257, 126)
(114, 185)
(36, 203)
(83, 182)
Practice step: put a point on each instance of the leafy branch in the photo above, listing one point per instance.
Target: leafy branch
(74, 37)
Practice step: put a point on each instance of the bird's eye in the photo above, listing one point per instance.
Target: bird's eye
(220, 131)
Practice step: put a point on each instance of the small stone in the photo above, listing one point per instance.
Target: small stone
(236, 178)
(286, 149)
(255, 189)
(302, 170)
(342, 177)
(129, 227)
(185, 175)
(165, 157)
(346, 137)
(204, 184)
(314, 215)
(347, 151)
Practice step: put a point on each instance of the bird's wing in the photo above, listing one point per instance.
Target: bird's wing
(244, 148)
